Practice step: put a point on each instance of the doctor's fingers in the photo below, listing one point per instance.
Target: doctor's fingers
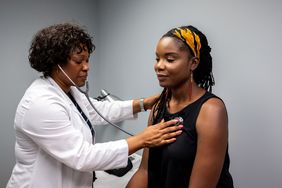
(168, 134)
(158, 136)
(171, 125)
(167, 129)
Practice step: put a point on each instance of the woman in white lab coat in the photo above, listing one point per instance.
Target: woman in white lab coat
(54, 123)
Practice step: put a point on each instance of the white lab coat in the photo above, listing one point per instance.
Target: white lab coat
(53, 142)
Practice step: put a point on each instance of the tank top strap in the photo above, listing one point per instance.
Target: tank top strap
(197, 105)
(190, 113)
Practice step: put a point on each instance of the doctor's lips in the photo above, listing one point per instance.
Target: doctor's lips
(83, 76)
(161, 76)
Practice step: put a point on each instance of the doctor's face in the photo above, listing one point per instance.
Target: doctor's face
(76, 68)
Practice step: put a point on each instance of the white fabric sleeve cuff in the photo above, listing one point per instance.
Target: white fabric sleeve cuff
(112, 155)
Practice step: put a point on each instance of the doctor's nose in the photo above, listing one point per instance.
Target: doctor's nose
(85, 66)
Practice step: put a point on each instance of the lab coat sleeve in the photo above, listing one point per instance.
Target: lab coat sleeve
(114, 111)
(48, 124)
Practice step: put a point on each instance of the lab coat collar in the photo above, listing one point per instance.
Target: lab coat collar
(75, 93)
(59, 89)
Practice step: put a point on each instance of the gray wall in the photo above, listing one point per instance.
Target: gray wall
(244, 36)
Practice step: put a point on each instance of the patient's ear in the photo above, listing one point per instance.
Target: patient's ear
(194, 63)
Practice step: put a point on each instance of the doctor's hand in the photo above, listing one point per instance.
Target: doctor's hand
(155, 135)
(150, 101)
(144, 104)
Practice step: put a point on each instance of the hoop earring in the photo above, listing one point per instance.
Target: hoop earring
(190, 86)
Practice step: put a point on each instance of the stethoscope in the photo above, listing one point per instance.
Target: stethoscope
(88, 98)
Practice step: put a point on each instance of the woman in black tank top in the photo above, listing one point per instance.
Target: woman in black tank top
(199, 156)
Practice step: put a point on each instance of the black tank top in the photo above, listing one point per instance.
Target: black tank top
(170, 166)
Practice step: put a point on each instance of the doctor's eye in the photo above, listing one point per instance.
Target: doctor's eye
(78, 62)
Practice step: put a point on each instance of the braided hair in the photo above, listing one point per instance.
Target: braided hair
(202, 75)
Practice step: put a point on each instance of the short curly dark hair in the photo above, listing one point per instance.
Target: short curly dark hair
(54, 44)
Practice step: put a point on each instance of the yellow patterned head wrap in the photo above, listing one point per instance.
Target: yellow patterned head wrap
(190, 38)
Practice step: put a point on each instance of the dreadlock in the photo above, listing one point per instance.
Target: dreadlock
(202, 74)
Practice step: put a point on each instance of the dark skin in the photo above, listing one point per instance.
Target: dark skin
(77, 69)
(173, 68)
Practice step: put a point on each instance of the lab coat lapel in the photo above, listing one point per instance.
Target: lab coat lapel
(79, 99)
